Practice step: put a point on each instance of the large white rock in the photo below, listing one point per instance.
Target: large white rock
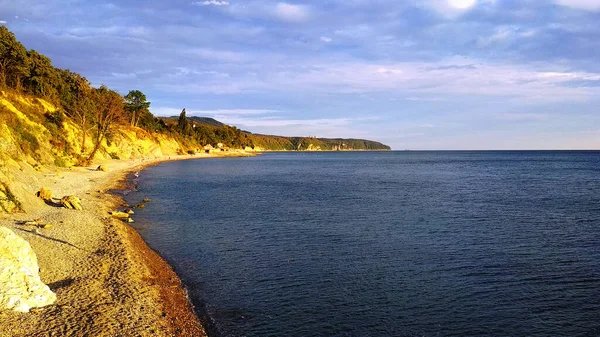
(20, 286)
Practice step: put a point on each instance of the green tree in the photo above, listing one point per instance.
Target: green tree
(42, 75)
(183, 125)
(13, 60)
(75, 95)
(136, 105)
(109, 109)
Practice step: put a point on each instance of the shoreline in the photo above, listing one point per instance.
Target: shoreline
(108, 281)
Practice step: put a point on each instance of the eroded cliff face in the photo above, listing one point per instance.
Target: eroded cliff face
(34, 135)
(35, 131)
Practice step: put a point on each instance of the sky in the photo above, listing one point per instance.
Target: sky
(429, 74)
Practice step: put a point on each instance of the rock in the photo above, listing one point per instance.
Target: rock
(45, 194)
(119, 215)
(37, 222)
(139, 206)
(129, 211)
(71, 201)
(20, 286)
(102, 168)
(128, 220)
(147, 200)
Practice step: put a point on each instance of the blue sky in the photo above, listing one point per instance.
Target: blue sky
(430, 74)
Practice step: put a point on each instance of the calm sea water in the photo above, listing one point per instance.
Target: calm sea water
(383, 244)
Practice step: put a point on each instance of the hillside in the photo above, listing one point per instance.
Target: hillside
(36, 131)
(210, 130)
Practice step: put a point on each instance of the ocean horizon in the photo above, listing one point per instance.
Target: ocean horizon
(400, 243)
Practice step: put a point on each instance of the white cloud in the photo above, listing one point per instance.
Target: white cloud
(211, 3)
(217, 55)
(2, 22)
(519, 117)
(231, 112)
(326, 39)
(589, 5)
(291, 13)
(282, 122)
(502, 34)
(449, 8)
(165, 111)
(462, 4)
(124, 75)
(455, 77)
(281, 11)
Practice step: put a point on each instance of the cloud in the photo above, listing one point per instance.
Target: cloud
(282, 122)
(449, 8)
(588, 5)
(231, 112)
(211, 3)
(462, 4)
(278, 12)
(454, 66)
(455, 77)
(2, 22)
(165, 111)
(326, 39)
(519, 117)
(217, 55)
(291, 13)
(124, 75)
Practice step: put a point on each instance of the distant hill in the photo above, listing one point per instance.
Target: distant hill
(213, 130)
(200, 120)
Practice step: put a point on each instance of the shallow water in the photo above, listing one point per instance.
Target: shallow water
(383, 244)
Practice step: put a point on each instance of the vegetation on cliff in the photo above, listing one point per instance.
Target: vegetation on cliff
(56, 115)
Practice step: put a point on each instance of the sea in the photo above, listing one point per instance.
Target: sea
(407, 243)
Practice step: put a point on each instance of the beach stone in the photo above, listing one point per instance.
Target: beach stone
(120, 215)
(147, 200)
(20, 286)
(71, 201)
(45, 194)
(102, 168)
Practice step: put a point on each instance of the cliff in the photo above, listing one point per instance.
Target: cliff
(35, 131)
(210, 131)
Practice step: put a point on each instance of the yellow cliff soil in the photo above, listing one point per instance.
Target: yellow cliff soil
(32, 130)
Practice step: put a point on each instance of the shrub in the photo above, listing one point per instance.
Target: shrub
(57, 118)
(60, 162)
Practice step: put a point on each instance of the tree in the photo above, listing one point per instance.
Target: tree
(75, 95)
(13, 59)
(42, 76)
(183, 124)
(136, 105)
(109, 109)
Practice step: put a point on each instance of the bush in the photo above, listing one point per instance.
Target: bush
(57, 118)
(60, 162)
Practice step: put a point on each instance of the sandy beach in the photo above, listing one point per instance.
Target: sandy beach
(107, 281)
